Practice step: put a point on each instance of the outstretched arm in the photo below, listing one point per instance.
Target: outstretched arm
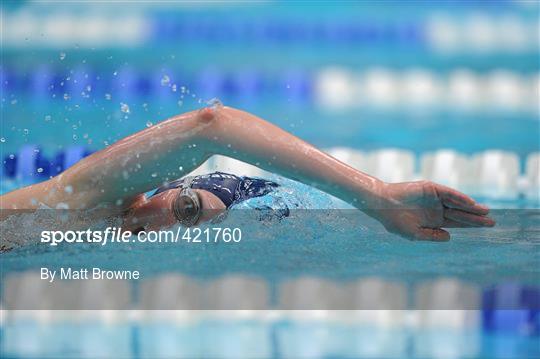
(173, 148)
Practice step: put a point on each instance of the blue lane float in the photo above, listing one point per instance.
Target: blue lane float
(511, 308)
(30, 164)
(356, 32)
(168, 85)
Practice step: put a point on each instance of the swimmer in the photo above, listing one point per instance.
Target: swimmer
(116, 179)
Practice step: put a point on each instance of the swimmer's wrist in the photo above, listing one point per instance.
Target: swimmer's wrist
(372, 196)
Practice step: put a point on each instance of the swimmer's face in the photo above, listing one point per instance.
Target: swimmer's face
(156, 212)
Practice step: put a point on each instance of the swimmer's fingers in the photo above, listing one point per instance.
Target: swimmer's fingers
(457, 200)
(466, 219)
(412, 232)
(449, 223)
(431, 234)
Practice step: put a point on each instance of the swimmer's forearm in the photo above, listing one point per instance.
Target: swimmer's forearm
(238, 134)
(119, 173)
(30, 197)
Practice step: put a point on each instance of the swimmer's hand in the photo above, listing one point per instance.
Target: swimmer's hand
(419, 210)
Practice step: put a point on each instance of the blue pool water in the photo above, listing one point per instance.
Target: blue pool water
(62, 101)
(322, 241)
(253, 338)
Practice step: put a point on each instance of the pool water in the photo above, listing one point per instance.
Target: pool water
(475, 296)
(249, 338)
(322, 237)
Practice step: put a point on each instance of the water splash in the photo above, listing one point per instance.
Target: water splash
(214, 103)
(165, 80)
(62, 205)
(124, 107)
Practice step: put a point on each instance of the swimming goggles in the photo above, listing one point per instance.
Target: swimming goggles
(186, 207)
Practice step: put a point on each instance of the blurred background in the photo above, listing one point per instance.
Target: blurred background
(421, 76)
(443, 90)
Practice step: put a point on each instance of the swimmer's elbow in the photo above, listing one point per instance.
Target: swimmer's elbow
(219, 123)
(206, 115)
(214, 113)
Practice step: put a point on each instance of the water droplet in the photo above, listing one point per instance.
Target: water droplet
(66, 96)
(124, 107)
(62, 55)
(74, 137)
(165, 80)
(39, 170)
(180, 103)
(26, 131)
(149, 124)
(48, 118)
(173, 87)
(2, 139)
(88, 88)
(154, 175)
(181, 168)
(108, 96)
(62, 206)
(13, 102)
(68, 189)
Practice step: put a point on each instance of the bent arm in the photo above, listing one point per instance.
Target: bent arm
(175, 147)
